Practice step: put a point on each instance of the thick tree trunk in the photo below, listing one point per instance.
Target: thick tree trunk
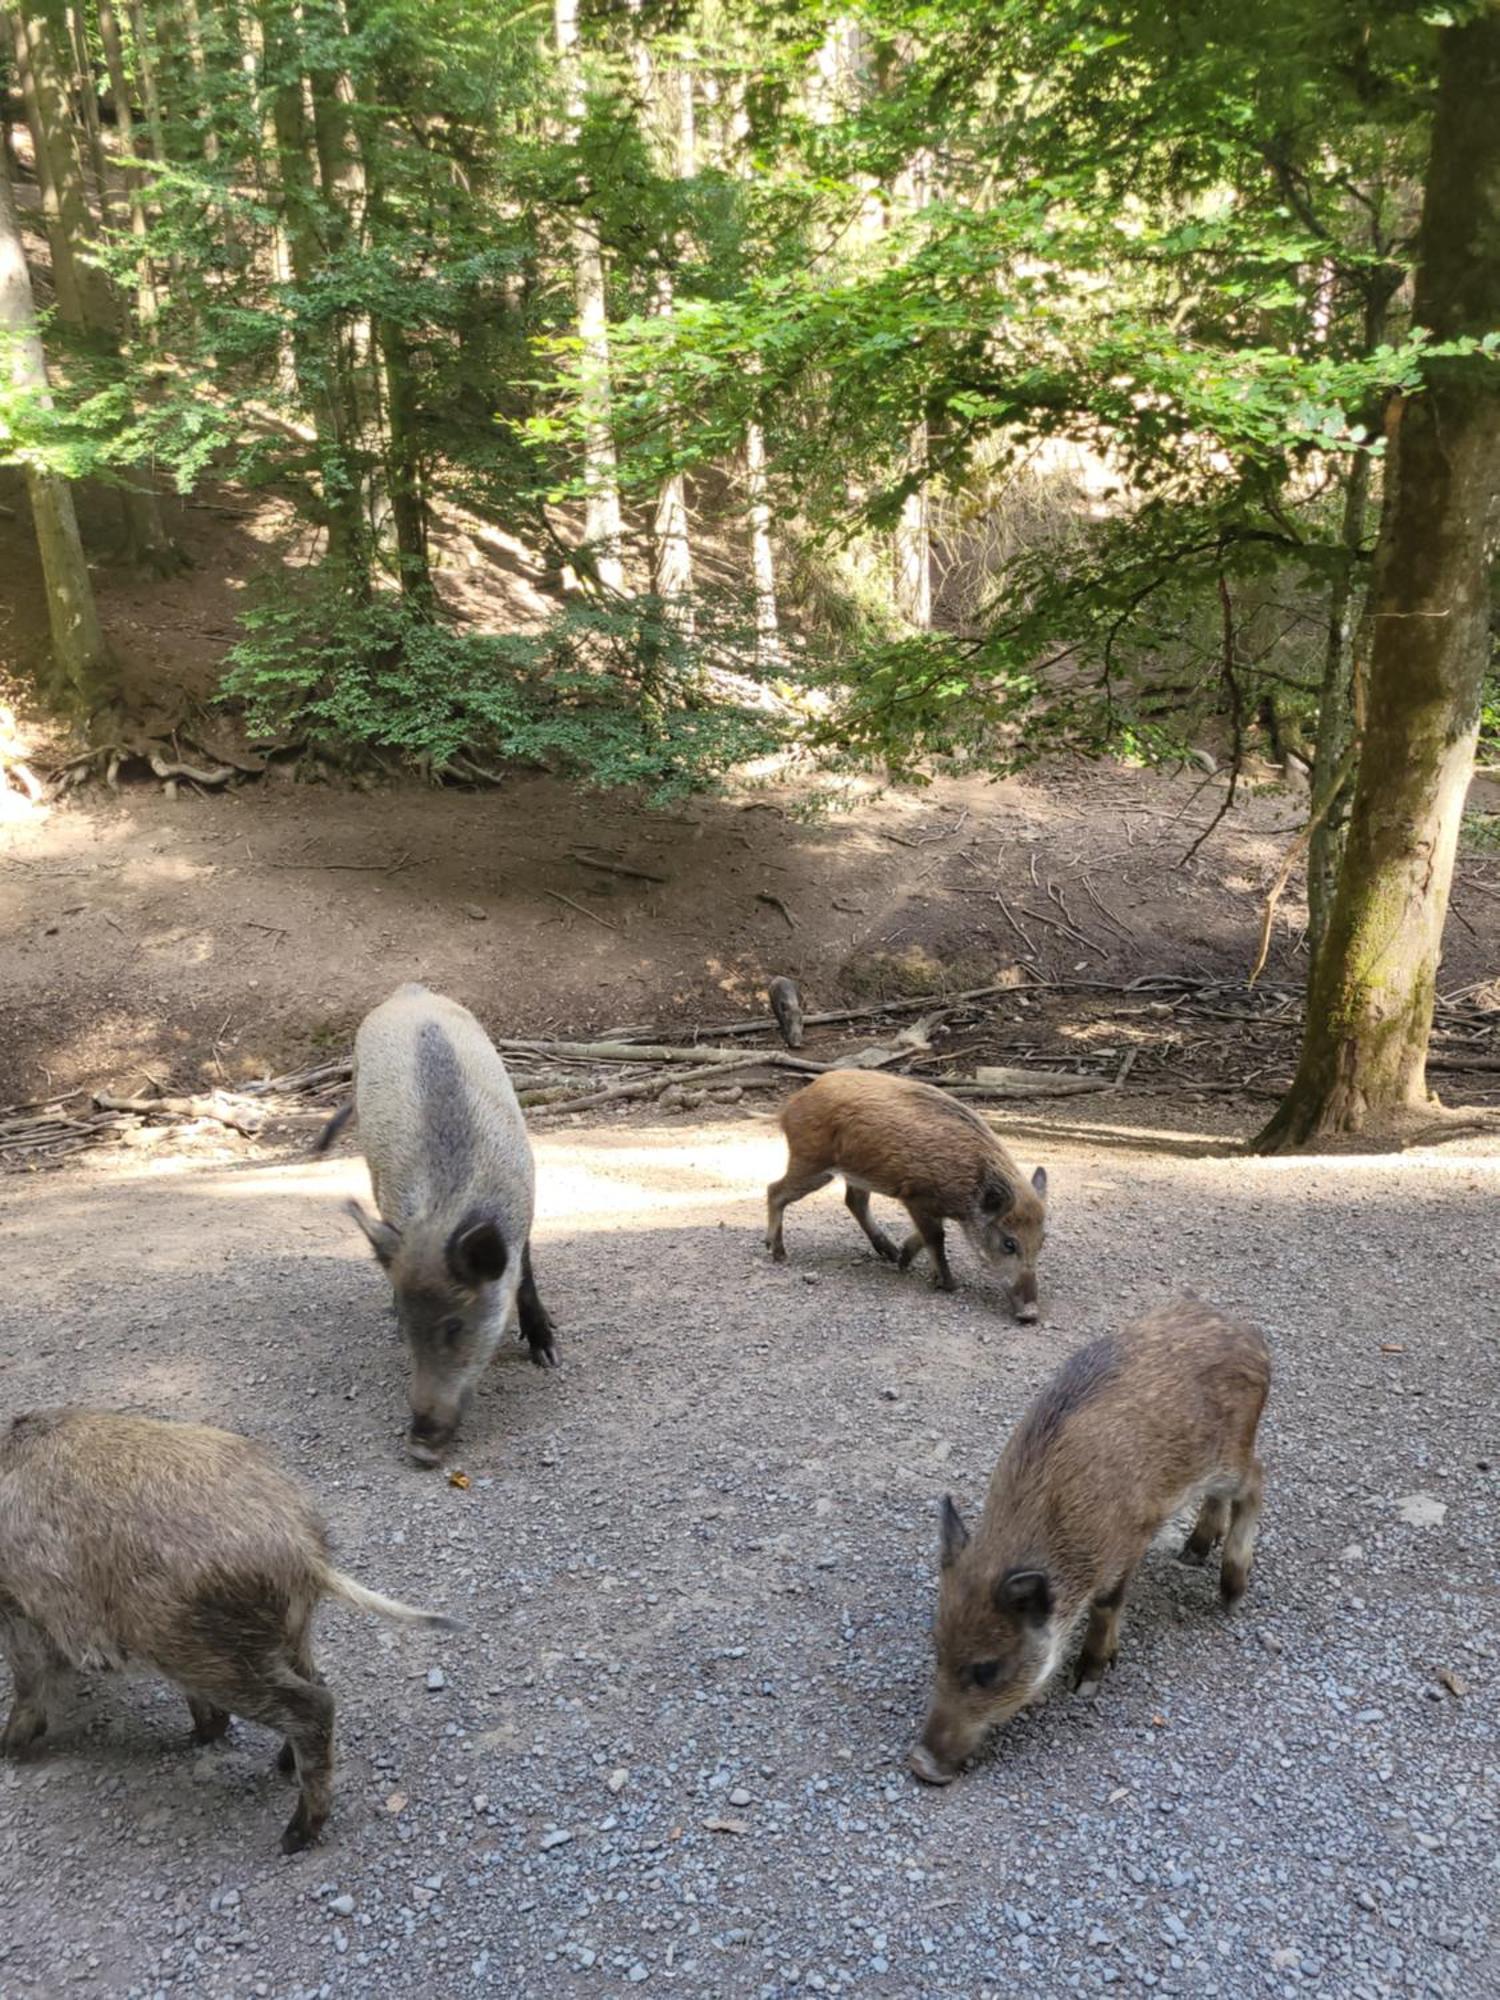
(1370, 1000)
(603, 525)
(79, 653)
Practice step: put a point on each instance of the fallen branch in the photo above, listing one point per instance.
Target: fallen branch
(246, 1118)
(615, 867)
(603, 922)
(765, 896)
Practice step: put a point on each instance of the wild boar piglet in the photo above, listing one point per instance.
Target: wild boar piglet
(1130, 1429)
(180, 1548)
(452, 1175)
(893, 1136)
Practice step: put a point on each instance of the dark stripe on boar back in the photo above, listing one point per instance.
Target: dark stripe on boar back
(1080, 1379)
(447, 1122)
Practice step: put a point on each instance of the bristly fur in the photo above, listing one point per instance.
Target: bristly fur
(894, 1136)
(179, 1547)
(448, 1153)
(1126, 1431)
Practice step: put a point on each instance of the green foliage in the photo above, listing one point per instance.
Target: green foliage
(574, 697)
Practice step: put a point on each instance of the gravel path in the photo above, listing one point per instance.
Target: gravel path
(698, 1565)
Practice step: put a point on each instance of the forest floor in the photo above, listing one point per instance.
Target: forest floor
(205, 940)
(696, 1567)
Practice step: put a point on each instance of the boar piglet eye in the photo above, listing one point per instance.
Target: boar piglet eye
(984, 1673)
(1010, 1246)
(452, 1330)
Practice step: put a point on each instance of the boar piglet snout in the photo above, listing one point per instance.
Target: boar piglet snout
(1128, 1430)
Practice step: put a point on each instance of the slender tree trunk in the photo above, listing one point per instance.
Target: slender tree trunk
(1370, 999)
(192, 27)
(913, 547)
(668, 103)
(146, 301)
(319, 360)
(1330, 776)
(79, 653)
(768, 654)
(88, 99)
(603, 525)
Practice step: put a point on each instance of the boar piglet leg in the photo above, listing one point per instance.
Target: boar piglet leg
(1239, 1543)
(35, 1666)
(1213, 1519)
(779, 1197)
(536, 1327)
(928, 1236)
(857, 1201)
(1101, 1641)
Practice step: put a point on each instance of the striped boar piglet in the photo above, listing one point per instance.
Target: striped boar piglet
(893, 1136)
(182, 1549)
(1130, 1429)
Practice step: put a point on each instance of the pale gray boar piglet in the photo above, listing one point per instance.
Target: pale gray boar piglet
(454, 1185)
(1128, 1430)
(184, 1549)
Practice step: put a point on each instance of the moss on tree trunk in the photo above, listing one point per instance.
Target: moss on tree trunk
(1370, 999)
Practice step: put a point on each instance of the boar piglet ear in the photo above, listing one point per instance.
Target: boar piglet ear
(996, 1195)
(385, 1240)
(1025, 1593)
(476, 1252)
(1039, 1183)
(955, 1536)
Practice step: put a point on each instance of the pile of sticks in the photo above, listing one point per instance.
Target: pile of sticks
(1162, 1037)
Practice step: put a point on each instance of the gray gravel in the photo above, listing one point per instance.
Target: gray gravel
(697, 1566)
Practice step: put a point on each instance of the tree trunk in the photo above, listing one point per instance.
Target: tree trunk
(88, 100)
(768, 655)
(668, 104)
(1330, 774)
(602, 519)
(146, 303)
(1370, 999)
(85, 297)
(78, 650)
(317, 352)
(913, 548)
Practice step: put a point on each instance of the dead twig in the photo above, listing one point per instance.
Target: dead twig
(775, 902)
(603, 922)
(1236, 717)
(615, 867)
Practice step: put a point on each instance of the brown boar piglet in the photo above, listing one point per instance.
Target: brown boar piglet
(893, 1136)
(1127, 1431)
(179, 1548)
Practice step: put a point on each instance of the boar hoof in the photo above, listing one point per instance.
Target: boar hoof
(778, 1253)
(209, 1722)
(22, 1736)
(422, 1453)
(926, 1767)
(544, 1357)
(300, 1833)
(1026, 1315)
